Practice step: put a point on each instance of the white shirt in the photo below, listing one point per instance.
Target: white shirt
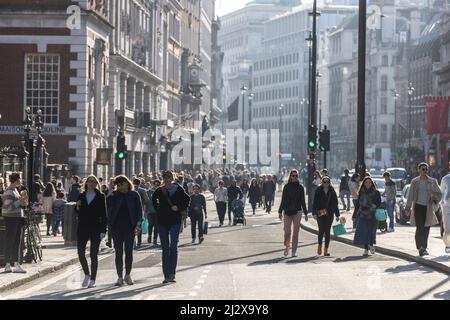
(221, 195)
(422, 192)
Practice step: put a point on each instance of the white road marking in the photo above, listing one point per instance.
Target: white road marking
(200, 281)
(197, 287)
(203, 276)
(193, 294)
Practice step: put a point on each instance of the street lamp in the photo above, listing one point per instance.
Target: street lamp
(243, 91)
(395, 139)
(411, 91)
(250, 100)
(32, 126)
(280, 126)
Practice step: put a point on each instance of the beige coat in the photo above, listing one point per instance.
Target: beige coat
(47, 204)
(435, 196)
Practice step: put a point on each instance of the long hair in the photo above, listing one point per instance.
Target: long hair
(326, 178)
(254, 182)
(362, 187)
(49, 190)
(84, 187)
(121, 179)
(290, 174)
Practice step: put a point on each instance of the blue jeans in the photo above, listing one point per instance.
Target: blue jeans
(390, 208)
(168, 235)
(197, 219)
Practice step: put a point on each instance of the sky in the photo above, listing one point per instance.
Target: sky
(226, 6)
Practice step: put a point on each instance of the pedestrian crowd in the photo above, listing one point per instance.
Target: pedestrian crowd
(118, 210)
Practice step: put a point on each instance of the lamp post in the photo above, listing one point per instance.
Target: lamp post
(411, 91)
(32, 126)
(309, 40)
(395, 139)
(243, 91)
(250, 100)
(280, 126)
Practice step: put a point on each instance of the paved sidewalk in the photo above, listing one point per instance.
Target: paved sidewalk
(56, 256)
(400, 243)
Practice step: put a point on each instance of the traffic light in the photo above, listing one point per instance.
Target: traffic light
(312, 137)
(121, 147)
(224, 156)
(324, 140)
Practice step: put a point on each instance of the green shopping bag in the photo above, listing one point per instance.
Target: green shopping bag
(339, 229)
(145, 226)
(380, 214)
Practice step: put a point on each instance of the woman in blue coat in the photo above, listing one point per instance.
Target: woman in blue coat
(369, 199)
(124, 219)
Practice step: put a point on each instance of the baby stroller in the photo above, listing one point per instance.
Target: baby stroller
(237, 207)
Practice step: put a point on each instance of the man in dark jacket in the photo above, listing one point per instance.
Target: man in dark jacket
(344, 189)
(169, 200)
(38, 188)
(269, 188)
(233, 192)
(74, 190)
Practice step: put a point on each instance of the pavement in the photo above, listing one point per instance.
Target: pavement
(247, 263)
(400, 243)
(56, 256)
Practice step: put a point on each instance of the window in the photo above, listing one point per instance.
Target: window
(385, 61)
(384, 132)
(383, 105)
(42, 85)
(384, 82)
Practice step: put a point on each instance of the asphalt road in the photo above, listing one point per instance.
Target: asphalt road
(247, 262)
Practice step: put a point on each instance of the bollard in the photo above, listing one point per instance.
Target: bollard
(70, 225)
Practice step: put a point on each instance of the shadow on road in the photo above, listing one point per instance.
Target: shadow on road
(302, 260)
(351, 258)
(409, 268)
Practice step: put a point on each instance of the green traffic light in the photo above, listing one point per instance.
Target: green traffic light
(121, 155)
(312, 144)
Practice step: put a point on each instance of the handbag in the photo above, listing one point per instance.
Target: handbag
(144, 226)
(380, 214)
(339, 229)
(205, 227)
(323, 213)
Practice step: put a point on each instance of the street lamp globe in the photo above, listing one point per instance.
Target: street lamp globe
(243, 89)
(411, 89)
(250, 96)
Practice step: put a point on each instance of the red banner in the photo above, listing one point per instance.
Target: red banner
(437, 114)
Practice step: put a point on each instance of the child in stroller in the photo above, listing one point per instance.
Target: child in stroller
(237, 207)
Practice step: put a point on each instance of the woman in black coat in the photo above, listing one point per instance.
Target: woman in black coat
(92, 221)
(369, 199)
(325, 206)
(254, 194)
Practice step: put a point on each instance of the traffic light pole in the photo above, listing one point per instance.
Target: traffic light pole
(313, 112)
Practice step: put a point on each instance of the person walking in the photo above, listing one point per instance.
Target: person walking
(124, 219)
(48, 197)
(254, 195)
(423, 198)
(233, 193)
(58, 213)
(12, 212)
(369, 199)
(261, 182)
(292, 202)
(221, 200)
(245, 189)
(269, 191)
(144, 204)
(344, 190)
(325, 207)
(354, 185)
(316, 182)
(445, 188)
(92, 221)
(390, 193)
(74, 190)
(152, 223)
(196, 208)
(169, 201)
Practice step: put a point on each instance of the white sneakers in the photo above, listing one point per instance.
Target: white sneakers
(18, 269)
(91, 284)
(372, 249)
(86, 281)
(8, 268)
(366, 253)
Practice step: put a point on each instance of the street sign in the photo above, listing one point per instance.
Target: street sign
(104, 156)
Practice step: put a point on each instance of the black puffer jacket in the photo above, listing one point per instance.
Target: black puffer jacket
(327, 201)
(293, 199)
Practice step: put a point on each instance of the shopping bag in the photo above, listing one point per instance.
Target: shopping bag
(339, 229)
(205, 227)
(380, 214)
(145, 226)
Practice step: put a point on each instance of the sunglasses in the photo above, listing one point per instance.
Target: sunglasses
(294, 175)
(326, 181)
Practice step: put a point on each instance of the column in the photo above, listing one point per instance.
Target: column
(131, 94)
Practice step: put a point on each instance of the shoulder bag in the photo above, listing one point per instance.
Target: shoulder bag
(184, 213)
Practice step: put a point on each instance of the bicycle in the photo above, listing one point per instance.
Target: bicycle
(32, 240)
